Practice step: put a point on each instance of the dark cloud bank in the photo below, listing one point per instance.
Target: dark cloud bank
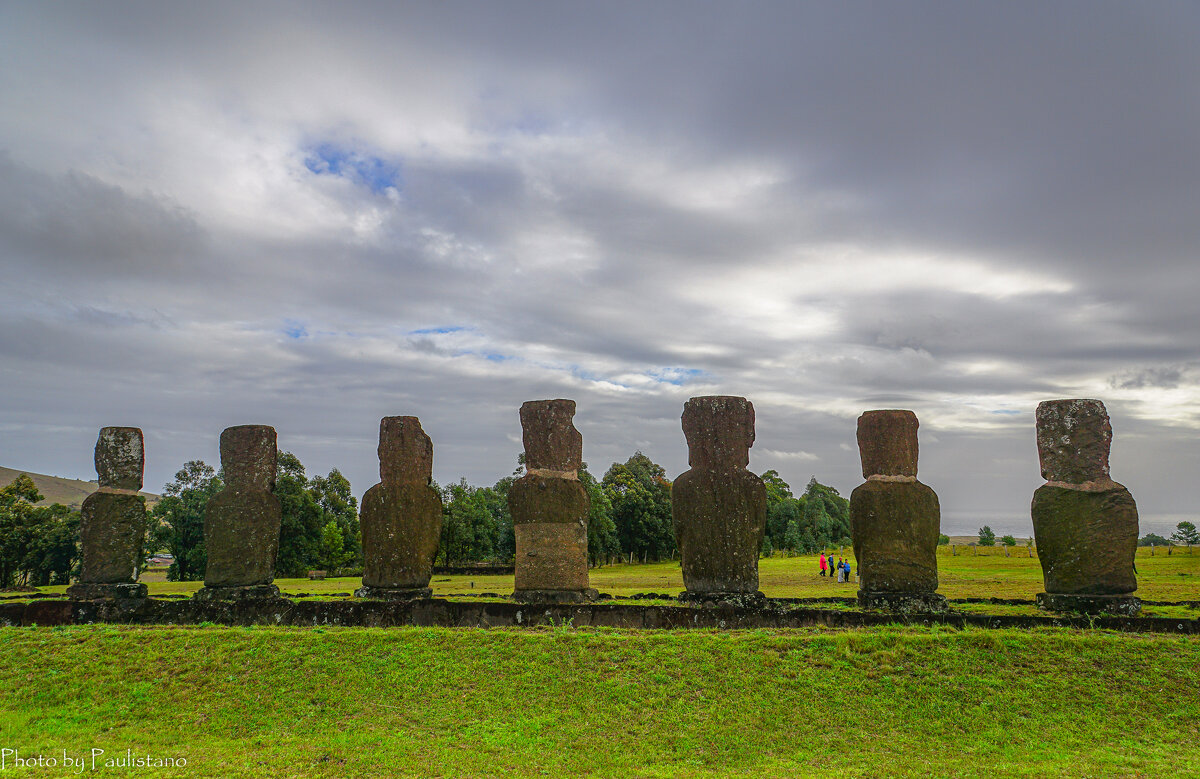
(314, 216)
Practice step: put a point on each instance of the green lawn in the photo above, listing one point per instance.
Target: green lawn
(987, 574)
(275, 702)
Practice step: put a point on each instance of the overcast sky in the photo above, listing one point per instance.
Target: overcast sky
(312, 216)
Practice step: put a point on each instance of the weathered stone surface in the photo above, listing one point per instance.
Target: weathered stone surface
(97, 591)
(241, 523)
(1073, 440)
(1123, 605)
(401, 517)
(549, 506)
(401, 525)
(895, 527)
(248, 455)
(1085, 524)
(719, 600)
(1086, 540)
(394, 593)
(405, 451)
(555, 596)
(887, 443)
(719, 430)
(549, 435)
(120, 457)
(549, 500)
(113, 519)
(718, 508)
(452, 613)
(111, 529)
(894, 519)
(233, 593)
(549, 555)
(904, 602)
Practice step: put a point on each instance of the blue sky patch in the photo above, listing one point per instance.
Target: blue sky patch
(676, 376)
(295, 329)
(437, 330)
(374, 172)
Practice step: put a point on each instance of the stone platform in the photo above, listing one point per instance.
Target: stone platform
(117, 591)
(251, 592)
(748, 600)
(458, 613)
(394, 593)
(555, 596)
(1124, 605)
(904, 602)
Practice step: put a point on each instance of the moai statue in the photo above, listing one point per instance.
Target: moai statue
(895, 520)
(401, 517)
(549, 507)
(718, 507)
(113, 520)
(241, 523)
(1084, 523)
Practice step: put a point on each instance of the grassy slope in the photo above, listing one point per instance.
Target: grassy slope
(439, 702)
(55, 489)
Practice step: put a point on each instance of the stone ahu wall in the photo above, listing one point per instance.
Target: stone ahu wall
(1085, 524)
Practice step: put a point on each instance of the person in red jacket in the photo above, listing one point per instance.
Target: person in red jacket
(824, 565)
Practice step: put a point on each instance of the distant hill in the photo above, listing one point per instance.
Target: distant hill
(69, 492)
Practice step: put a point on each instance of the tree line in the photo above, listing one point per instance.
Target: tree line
(630, 519)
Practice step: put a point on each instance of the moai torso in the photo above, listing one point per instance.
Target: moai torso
(1086, 524)
(401, 517)
(894, 519)
(549, 505)
(241, 523)
(113, 519)
(718, 507)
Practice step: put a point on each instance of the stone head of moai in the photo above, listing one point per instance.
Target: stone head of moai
(551, 441)
(405, 451)
(887, 443)
(719, 430)
(120, 457)
(248, 457)
(1073, 440)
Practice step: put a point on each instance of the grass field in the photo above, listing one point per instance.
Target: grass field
(863, 702)
(987, 574)
(250, 702)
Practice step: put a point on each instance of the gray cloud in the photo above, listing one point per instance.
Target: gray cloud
(312, 217)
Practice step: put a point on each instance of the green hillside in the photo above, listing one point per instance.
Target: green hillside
(69, 492)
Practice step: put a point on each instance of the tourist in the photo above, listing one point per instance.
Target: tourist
(824, 565)
(848, 578)
(840, 570)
